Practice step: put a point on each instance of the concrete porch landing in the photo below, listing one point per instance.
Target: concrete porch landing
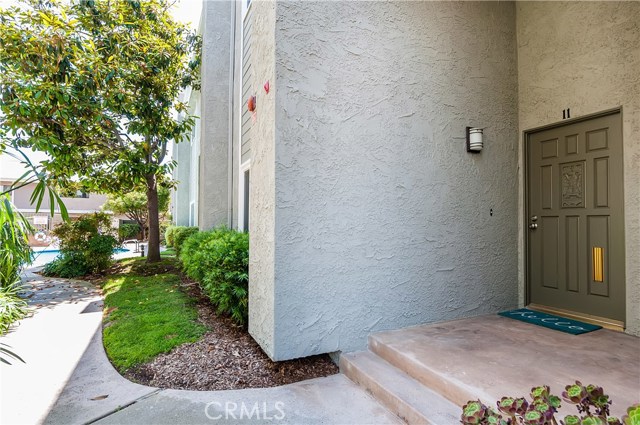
(443, 365)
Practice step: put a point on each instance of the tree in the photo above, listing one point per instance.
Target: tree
(134, 206)
(96, 85)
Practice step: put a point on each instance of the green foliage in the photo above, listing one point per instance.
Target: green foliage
(591, 402)
(633, 415)
(219, 261)
(168, 235)
(67, 266)
(128, 231)
(12, 307)
(133, 205)
(148, 315)
(96, 86)
(14, 243)
(34, 174)
(86, 246)
(180, 234)
(6, 354)
(164, 224)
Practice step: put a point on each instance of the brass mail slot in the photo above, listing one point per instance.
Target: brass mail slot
(598, 264)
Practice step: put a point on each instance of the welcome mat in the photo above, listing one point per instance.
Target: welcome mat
(550, 321)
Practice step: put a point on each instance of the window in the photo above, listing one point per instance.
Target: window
(245, 212)
(192, 214)
(243, 197)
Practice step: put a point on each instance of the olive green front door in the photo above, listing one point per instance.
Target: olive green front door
(575, 217)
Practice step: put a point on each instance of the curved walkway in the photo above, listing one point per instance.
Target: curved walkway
(69, 380)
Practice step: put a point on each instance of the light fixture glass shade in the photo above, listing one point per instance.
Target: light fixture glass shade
(475, 139)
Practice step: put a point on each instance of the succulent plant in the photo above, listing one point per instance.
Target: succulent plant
(512, 406)
(544, 406)
(541, 392)
(598, 399)
(593, 420)
(574, 393)
(533, 417)
(495, 418)
(633, 415)
(554, 401)
(571, 420)
(473, 413)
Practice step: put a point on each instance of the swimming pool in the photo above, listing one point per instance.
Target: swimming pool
(45, 256)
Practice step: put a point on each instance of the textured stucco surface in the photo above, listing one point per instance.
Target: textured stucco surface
(217, 96)
(585, 56)
(262, 195)
(380, 219)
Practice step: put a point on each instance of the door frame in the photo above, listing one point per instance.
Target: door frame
(525, 181)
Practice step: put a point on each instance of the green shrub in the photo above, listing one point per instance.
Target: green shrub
(168, 235)
(86, 246)
(219, 261)
(14, 244)
(180, 234)
(67, 266)
(164, 225)
(12, 307)
(128, 231)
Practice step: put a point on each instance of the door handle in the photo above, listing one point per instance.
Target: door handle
(533, 226)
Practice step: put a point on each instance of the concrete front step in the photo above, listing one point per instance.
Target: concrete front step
(455, 391)
(402, 395)
(489, 357)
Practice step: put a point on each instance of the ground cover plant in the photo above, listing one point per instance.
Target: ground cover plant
(590, 400)
(86, 246)
(146, 315)
(219, 261)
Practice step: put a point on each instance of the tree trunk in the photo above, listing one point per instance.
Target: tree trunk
(153, 221)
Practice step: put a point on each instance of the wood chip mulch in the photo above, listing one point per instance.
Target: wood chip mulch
(225, 358)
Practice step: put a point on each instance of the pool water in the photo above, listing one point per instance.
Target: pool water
(40, 258)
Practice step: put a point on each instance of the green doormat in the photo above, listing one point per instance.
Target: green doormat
(550, 321)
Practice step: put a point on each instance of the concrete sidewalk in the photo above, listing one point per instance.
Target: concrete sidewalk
(69, 380)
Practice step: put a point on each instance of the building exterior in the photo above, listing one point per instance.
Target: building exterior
(366, 210)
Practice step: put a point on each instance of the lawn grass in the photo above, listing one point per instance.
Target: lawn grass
(169, 252)
(146, 316)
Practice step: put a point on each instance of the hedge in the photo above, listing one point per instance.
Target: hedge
(219, 261)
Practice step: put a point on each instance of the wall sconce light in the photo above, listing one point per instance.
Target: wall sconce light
(474, 139)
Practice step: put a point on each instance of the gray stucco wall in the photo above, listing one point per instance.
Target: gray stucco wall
(380, 219)
(262, 223)
(587, 59)
(217, 99)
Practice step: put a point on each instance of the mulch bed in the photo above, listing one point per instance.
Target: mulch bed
(225, 358)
